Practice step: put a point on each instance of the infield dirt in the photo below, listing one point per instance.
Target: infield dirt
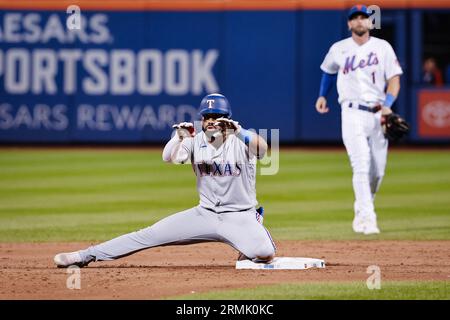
(27, 270)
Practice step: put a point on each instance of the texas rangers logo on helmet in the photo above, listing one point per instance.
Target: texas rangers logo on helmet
(215, 103)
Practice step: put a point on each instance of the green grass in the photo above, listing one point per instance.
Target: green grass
(389, 290)
(85, 195)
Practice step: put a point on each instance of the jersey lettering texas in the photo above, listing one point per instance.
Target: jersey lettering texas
(350, 62)
(218, 169)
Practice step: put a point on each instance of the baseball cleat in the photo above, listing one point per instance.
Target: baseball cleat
(64, 260)
(371, 229)
(358, 225)
(358, 222)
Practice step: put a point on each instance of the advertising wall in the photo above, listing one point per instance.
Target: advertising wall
(129, 76)
(134, 69)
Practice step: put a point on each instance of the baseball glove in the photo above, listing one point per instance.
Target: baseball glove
(394, 126)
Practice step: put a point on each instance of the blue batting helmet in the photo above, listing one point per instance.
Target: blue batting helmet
(215, 103)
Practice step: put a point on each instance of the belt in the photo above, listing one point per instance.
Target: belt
(365, 108)
(209, 209)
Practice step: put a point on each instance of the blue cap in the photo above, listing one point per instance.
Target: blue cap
(215, 103)
(359, 8)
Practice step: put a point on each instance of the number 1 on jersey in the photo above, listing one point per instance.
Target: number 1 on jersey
(373, 77)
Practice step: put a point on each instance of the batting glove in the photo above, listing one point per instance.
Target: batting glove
(184, 129)
(234, 126)
(228, 124)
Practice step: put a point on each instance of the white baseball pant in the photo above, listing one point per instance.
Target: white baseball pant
(367, 148)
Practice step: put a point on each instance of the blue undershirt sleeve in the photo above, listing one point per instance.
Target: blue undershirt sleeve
(325, 83)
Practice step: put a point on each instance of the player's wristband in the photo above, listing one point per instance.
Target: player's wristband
(389, 101)
(245, 135)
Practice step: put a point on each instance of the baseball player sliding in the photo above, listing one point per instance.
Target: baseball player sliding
(223, 157)
(364, 66)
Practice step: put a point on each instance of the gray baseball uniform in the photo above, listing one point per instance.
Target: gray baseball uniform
(226, 213)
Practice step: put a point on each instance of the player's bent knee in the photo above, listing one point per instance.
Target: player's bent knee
(265, 259)
(265, 253)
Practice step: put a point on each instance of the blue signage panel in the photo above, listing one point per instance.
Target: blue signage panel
(129, 76)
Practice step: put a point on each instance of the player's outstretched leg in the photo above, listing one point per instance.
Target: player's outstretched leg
(189, 226)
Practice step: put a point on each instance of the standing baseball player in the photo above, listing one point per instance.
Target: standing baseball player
(365, 66)
(223, 157)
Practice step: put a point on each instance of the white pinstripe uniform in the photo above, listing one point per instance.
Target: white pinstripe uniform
(362, 74)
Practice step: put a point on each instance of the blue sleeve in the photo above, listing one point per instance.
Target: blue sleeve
(325, 83)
